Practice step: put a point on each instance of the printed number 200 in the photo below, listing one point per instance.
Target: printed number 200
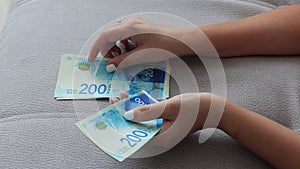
(133, 138)
(92, 88)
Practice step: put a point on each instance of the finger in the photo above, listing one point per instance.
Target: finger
(93, 53)
(116, 61)
(113, 100)
(107, 39)
(131, 44)
(167, 138)
(141, 54)
(109, 36)
(149, 112)
(113, 52)
(124, 46)
(123, 95)
(121, 47)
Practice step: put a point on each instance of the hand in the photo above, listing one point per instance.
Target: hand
(182, 115)
(137, 34)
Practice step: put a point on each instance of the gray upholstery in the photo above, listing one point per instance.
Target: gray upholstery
(39, 132)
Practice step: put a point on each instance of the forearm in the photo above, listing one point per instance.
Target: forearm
(276, 32)
(271, 141)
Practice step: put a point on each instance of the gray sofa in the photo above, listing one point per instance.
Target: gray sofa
(39, 132)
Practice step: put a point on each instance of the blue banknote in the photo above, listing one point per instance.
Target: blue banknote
(80, 79)
(116, 136)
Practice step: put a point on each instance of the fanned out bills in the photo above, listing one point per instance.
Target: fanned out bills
(80, 79)
(116, 136)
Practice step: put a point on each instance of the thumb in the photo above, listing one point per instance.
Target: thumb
(148, 112)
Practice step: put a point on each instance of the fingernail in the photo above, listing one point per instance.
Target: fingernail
(111, 68)
(89, 59)
(113, 100)
(131, 44)
(129, 115)
(123, 51)
(114, 54)
(99, 55)
(121, 46)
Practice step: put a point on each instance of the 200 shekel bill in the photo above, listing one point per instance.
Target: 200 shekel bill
(116, 136)
(80, 79)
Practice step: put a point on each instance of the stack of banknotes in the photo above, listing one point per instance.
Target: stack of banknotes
(108, 129)
(80, 79)
(116, 136)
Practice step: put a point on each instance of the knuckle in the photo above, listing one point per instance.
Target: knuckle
(103, 34)
(135, 20)
(138, 18)
(145, 108)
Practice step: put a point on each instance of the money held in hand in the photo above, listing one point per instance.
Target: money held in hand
(116, 136)
(80, 79)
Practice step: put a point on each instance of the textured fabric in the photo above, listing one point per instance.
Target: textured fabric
(39, 132)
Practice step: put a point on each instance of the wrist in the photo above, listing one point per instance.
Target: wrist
(184, 39)
(216, 118)
(229, 38)
(231, 119)
(215, 34)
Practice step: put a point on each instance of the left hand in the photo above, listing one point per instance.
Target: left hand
(144, 35)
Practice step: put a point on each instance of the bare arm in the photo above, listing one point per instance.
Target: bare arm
(276, 32)
(276, 144)
(273, 142)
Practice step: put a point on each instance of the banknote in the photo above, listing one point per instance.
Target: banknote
(80, 79)
(116, 136)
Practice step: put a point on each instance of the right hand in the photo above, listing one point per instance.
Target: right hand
(182, 115)
(144, 35)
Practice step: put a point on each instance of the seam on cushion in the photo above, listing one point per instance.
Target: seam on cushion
(20, 3)
(252, 2)
(275, 4)
(59, 115)
(260, 3)
(12, 7)
(9, 112)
